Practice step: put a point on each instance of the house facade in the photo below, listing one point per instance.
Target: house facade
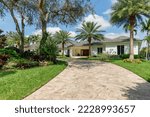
(117, 46)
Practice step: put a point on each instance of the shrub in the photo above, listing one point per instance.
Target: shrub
(3, 60)
(28, 54)
(133, 61)
(126, 56)
(23, 64)
(116, 57)
(50, 50)
(9, 52)
(103, 57)
(14, 49)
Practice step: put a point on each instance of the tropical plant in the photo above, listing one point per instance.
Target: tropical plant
(50, 49)
(13, 39)
(130, 12)
(63, 38)
(145, 26)
(33, 39)
(127, 28)
(90, 31)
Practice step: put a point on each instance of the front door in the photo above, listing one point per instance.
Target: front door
(85, 52)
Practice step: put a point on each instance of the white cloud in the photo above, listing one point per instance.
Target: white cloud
(113, 1)
(72, 34)
(51, 30)
(96, 19)
(107, 12)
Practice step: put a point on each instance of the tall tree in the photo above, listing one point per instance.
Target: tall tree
(130, 12)
(89, 31)
(63, 38)
(57, 11)
(20, 7)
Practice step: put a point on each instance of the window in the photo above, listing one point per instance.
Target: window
(99, 50)
(120, 49)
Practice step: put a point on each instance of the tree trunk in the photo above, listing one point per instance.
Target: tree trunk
(22, 34)
(89, 40)
(63, 49)
(132, 22)
(44, 36)
(43, 19)
(18, 28)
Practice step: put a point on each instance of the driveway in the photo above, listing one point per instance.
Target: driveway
(84, 79)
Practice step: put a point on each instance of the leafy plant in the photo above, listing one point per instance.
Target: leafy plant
(9, 52)
(125, 56)
(3, 60)
(90, 31)
(50, 49)
(63, 38)
(103, 57)
(133, 61)
(23, 64)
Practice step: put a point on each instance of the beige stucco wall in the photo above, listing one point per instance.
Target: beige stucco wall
(74, 51)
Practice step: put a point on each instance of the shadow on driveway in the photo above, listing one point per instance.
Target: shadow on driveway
(85, 64)
(139, 92)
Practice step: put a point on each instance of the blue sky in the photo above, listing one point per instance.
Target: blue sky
(102, 16)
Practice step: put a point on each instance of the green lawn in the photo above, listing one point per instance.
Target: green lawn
(142, 69)
(20, 83)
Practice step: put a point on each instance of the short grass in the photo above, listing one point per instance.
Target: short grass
(142, 69)
(18, 84)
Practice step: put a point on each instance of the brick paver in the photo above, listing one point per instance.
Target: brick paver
(93, 80)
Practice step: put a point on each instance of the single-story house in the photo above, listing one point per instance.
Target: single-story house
(117, 46)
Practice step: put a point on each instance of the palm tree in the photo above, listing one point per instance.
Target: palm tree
(146, 28)
(62, 37)
(130, 12)
(89, 31)
(126, 27)
(13, 38)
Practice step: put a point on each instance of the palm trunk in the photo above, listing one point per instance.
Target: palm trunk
(132, 21)
(63, 49)
(89, 40)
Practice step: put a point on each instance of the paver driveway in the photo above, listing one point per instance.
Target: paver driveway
(94, 80)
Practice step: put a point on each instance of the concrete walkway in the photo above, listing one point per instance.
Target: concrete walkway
(93, 80)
